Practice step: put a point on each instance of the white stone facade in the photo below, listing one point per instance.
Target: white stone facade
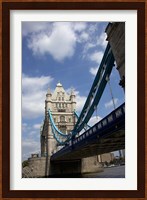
(62, 106)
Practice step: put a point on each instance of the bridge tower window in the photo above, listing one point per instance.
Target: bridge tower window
(62, 118)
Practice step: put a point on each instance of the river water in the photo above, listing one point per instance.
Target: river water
(112, 172)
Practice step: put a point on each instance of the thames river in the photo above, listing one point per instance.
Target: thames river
(112, 172)
(109, 172)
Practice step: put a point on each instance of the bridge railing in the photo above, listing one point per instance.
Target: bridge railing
(102, 124)
(99, 128)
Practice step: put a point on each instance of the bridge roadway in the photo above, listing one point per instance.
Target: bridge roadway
(105, 136)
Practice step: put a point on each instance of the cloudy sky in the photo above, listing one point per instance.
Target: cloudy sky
(69, 52)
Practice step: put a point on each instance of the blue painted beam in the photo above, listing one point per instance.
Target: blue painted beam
(107, 127)
(97, 89)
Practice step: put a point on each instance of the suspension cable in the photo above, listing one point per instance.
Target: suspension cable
(111, 93)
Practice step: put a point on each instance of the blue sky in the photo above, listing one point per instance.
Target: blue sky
(69, 52)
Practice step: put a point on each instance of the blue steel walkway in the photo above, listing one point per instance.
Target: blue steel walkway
(105, 136)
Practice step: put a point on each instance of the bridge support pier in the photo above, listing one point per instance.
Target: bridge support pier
(39, 167)
(91, 165)
(44, 167)
(65, 167)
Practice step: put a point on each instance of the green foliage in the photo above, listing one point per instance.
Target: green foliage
(25, 163)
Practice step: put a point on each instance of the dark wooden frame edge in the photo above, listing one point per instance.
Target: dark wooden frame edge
(6, 7)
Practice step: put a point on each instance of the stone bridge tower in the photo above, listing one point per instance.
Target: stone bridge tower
(116, 37)
(62, 106)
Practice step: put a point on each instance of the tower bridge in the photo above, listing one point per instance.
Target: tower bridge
(63, 149)
(105, 136)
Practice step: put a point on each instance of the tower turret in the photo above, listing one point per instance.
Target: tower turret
(48, 100)
(48, 95)
(73, 100)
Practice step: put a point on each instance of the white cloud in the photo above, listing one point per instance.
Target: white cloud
(60, 43)
(101, 41)
(96, 56)
(33, 27)
(93, 120)
(25, 127)
(89, 45)
(92, 28)
(109, 104)
(37, 126)
(80, 102)
(30, 139)
(34, 83)
(93, 70)
(83, 37)
(59, 39)
(79, 26)
(30, 146)
(34, 90)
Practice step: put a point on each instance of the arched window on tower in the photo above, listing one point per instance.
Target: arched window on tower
(62, 118)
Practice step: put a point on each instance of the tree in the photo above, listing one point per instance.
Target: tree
(25, 163)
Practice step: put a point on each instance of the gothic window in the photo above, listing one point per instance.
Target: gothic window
(62, 118)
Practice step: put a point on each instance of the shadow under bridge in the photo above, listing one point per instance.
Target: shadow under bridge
(105, 136)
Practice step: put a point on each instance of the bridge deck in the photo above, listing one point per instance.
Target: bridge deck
(105, 136)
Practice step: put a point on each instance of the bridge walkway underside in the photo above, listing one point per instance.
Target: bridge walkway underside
(106, 136)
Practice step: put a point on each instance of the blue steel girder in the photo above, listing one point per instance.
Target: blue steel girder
(111, 127)
(86, 125)
(97, 89)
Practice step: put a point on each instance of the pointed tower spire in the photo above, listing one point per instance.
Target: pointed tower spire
(48, 95)
(59, 84)
(48, 91)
